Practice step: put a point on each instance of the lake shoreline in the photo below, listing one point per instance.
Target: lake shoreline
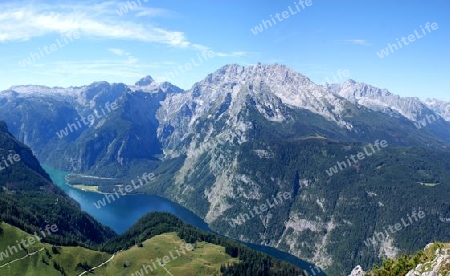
(124, 212)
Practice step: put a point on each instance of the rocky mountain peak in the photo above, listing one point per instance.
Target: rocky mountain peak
(360, 89)
(263, 72)
(271, 86)
(167, 87)
(350, 82)
(145, 81)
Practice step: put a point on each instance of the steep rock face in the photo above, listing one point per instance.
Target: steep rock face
(290, 87)
(51, 121)
(119, 138)
(35, 119)
(213, 119)
(9, 145)
(29, 200)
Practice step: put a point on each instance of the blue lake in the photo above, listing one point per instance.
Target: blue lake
(122, 213)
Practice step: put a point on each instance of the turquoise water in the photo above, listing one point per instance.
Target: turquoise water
(122, 213)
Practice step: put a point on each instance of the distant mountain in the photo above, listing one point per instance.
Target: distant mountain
(439, 107)
(145, 81)
(53, 125)
(432, 114)
(381, 100)
(244, 135)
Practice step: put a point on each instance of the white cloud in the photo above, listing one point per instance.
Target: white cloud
(232, 54)
(200, 47)
(20, 22)
(122, 53)
(358, 42)
(152, 12)
(117, 52)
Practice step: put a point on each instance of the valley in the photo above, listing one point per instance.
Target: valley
(53, 247)
(124, 213)
(232, 141)
(225, 138)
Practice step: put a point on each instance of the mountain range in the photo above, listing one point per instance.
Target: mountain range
(244, 135)
(44, 232)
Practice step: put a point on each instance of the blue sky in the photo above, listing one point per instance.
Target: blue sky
(157, 36)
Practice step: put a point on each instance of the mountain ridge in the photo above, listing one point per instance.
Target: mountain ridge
(281, 74)
(243, 134)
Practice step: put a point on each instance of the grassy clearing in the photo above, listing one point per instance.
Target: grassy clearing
(205, 259)
(47, 261)
(86, 188)
(428, 184)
